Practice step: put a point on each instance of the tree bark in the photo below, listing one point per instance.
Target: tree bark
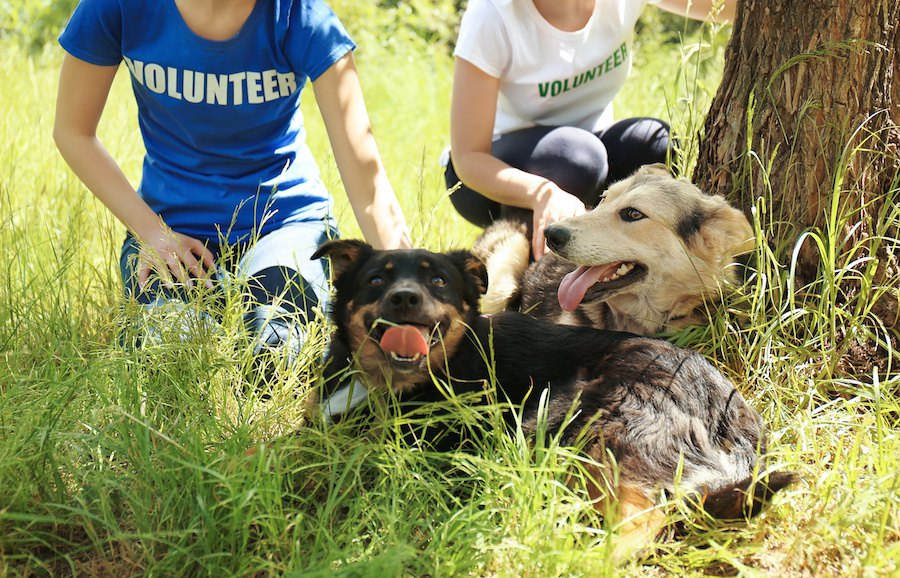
(809, 108)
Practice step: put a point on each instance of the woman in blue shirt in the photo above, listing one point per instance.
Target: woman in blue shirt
(227, 171)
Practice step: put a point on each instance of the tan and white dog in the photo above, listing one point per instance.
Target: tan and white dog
(644, 260)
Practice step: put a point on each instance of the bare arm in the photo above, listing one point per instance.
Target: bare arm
(340, 100)
(83, 90)
(472, 111)
(710, 10)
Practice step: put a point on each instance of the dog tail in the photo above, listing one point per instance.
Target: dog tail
(746, 498)
(505, 250)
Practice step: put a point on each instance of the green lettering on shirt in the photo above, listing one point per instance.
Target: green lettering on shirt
(557, 87)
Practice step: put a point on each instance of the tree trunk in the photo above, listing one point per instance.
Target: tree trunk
(817, 85)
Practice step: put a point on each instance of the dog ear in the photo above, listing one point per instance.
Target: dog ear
(473, 267)
(654, 169)
(344, 255)
(725, 233)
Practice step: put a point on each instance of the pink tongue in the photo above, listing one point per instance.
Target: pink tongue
(574, 285)
(405, 341)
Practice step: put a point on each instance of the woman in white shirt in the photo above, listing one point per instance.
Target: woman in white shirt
(531, 126)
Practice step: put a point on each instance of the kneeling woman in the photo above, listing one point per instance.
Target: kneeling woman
(531, 127)
(229, 183)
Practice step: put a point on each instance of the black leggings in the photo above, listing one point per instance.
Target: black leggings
(578, 161)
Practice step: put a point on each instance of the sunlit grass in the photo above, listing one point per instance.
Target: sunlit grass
(121, 462)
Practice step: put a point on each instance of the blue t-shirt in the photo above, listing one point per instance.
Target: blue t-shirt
(226, 149)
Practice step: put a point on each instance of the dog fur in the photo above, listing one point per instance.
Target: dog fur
(680, 242)
(664, 414)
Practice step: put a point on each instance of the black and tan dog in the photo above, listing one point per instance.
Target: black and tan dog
(668, 418)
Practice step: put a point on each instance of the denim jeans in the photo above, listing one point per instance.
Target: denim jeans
(282, 288)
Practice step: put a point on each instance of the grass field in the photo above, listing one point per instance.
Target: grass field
(118, 462)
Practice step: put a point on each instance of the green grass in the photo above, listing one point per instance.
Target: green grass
(120, 463)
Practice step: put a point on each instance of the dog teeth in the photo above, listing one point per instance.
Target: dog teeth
(623, 269)
(412, 359)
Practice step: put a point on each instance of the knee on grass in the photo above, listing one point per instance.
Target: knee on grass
(274, 329)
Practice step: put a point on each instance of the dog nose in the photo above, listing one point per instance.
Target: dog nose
(556, 236)
(405, 298)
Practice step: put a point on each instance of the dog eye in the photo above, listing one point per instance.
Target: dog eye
(631, 214)
(376, 280)
(438, 281)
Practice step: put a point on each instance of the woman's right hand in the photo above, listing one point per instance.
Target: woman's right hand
(83, 91)
(472, 112)
(174, 256)
(551, 204)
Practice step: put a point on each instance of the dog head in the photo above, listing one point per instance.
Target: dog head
(651, 235)
(402, 313)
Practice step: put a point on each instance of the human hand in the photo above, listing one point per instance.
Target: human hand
(173, 255)
(551, 204)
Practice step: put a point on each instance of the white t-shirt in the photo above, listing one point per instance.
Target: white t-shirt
(549, 76)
